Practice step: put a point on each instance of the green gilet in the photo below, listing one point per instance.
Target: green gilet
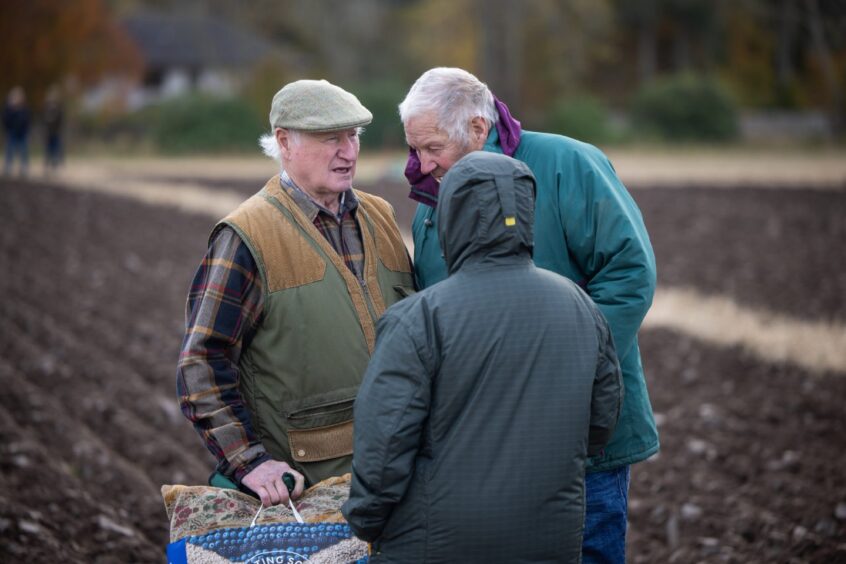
(301, 371)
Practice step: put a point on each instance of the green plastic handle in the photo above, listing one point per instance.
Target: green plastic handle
(290, 481)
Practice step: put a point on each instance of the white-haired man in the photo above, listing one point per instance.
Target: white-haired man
(587, 228)
(281, 313)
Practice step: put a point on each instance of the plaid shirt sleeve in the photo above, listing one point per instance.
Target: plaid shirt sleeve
(224, 306)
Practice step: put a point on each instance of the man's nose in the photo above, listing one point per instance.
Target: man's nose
(348, 149)
(427, 165)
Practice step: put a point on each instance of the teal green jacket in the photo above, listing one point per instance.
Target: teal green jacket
(589, 229)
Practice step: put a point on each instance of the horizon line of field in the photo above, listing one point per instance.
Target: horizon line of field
(819, 347)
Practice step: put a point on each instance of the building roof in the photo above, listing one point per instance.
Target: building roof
(193, 41)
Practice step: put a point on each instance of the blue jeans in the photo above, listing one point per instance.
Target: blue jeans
(606, 511)
(16, 146)
(53, 153)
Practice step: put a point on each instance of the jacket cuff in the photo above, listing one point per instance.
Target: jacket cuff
(246, 468)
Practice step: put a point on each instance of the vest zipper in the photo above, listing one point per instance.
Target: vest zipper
(368, 300)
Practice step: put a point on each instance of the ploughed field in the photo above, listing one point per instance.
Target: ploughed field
(91, 316)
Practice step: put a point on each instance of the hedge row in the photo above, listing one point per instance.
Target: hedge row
(681, 108)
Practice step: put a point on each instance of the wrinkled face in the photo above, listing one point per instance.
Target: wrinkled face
(436, 151)
(321, 164)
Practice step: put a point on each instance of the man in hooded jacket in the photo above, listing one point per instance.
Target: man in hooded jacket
(485, 393)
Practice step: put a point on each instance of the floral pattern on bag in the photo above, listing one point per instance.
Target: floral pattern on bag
(196, 510)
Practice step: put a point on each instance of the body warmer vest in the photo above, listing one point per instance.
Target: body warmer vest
(300, 373)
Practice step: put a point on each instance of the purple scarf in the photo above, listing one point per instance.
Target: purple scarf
(424, 188)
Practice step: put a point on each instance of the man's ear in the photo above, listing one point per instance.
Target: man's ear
(478, 132)
(283, 139)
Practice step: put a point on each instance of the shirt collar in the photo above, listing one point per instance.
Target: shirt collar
(349, 201)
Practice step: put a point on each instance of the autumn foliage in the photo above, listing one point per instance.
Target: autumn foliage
(50, 42)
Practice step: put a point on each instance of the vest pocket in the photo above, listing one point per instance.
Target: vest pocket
(320, 427)
(403, 291)
(321, 443)
(394, 285)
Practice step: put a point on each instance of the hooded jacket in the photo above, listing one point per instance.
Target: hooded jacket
(588, 229)
(485, 393)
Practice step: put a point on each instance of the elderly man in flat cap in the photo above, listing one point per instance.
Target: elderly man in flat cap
(281, 313)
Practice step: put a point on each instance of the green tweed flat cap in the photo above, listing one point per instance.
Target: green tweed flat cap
(317, 105)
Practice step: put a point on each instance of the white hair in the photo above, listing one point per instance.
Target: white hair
(456, 97)
(270, 146)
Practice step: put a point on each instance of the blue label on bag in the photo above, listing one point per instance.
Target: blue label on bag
(283, 543)
(278, 557)
(176, 553)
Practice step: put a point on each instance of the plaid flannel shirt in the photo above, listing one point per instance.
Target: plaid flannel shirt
(224, 308)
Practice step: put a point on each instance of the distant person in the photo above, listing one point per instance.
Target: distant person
(281, 315)
(53, 123)
(485, 394)
(16, 120)
(587, 228)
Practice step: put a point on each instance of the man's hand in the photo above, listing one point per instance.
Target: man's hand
(266, 481)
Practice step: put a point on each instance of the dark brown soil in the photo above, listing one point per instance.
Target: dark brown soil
(778, 249)
(753, 454)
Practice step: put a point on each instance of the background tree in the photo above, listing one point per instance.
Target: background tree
(48, 42)
(545, 58)
(825, 62)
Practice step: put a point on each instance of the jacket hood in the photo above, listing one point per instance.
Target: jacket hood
(486, 210)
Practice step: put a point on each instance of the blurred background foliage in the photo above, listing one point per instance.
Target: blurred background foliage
(215, 124)
(685, 107)
(605, 71)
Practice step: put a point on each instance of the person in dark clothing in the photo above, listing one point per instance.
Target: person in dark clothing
(485, 393)
(16, 125)
(53, 121)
